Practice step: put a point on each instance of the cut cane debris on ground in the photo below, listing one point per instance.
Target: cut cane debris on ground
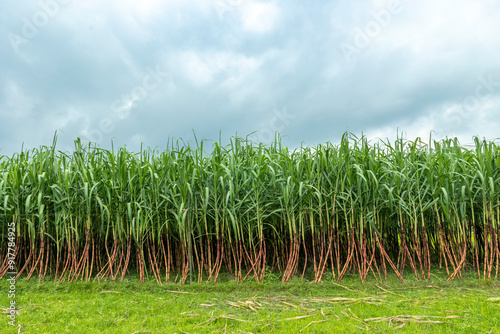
(465, 305)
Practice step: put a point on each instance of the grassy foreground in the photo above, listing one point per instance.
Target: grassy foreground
(465, 305)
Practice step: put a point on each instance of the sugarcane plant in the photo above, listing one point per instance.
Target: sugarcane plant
(188, 213)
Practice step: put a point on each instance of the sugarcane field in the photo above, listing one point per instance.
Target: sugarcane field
(187, 215)
(244, 209)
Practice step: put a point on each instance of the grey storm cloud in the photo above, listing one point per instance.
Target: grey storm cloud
(147, 72)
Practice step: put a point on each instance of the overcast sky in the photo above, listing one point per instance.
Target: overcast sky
(146, 71)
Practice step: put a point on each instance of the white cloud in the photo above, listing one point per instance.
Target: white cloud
(18, 100)
(68, 117)
(206, 67)
(428, 27)
(259, 17)
(448, 120)
(143, 9)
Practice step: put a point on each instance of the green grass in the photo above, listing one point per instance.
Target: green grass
(465, 305)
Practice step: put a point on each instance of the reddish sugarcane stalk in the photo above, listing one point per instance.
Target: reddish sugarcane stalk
(4, 268)
(263, 259)
(127, 258)
(427, 252)
(120, 262)
(384, 253)
(167, 258)
(209, 250)
(98, 257)
(152, 263)
(418, 252)
(252, 269)
(248, 262)
(404, 251)
(443, 247)
(212, 269)
(199, 261)
(233, 253)
(476, 253)
(156, 254)
(67, 262)
(289, 265)
(357, 258)
(451, 256)
(350, 252)
(305, 260)
(364, 256)
(47, 256)
(337, 252)
(240, 259)
(91, 260)
(140, 261)
(454, 260)
(368, 266)
(40, 255)
(321, 254)
(112, 259)
(276, 257)
(374, 250)
(497, 243)
(74, 249)
(462, 261)
(185, 263)
(410, 257)
(314, 255)
(292, 260)
(493, 248)
(295, 265)
(109, 264)
(323, 265)
(57, 263)
(220, 253)
(287, 268)
(384, 267)
(284, 256)
(226, 258)
(485, 235)
(83, 258)
(257, 264)
(26, 263)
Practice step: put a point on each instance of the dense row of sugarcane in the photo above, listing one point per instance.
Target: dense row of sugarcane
(247, 209)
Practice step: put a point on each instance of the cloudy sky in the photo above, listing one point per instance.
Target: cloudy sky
(146, 71)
